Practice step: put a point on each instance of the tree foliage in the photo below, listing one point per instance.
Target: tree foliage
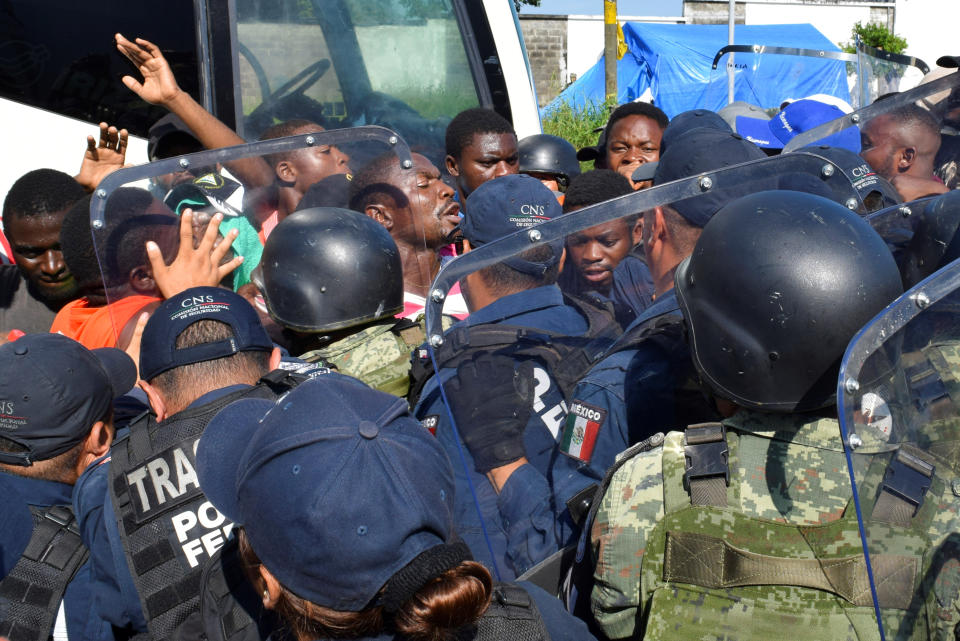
(519, 3)
(875, 35)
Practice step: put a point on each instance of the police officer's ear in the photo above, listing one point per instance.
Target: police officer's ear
(453, 166)
(380, 214)
(275, 357)
(95, 446)
(157, 404)
(271, 587)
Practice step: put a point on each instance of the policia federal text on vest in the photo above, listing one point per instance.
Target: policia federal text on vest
(167, 526)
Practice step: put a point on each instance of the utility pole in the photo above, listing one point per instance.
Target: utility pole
(610, 47)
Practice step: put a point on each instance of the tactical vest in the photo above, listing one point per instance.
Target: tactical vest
(567, 358)
(711, 572)
(168, 527)
(378, 355)
(31, 593)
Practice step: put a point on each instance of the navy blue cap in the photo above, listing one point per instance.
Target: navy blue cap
(698, 151)
(501, 206)
(158, 351)
(876, 191)
(693, 119)
(797, 117)
(336, 486)
(53, 389)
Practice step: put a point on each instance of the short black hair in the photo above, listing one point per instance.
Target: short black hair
(126, 230)
(636, 109)
(466, 124)
(282, 130)
(41, 192)
(375, 179)
(595, 187)
(909, 116)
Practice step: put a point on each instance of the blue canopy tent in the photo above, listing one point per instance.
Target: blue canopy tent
(674, 62)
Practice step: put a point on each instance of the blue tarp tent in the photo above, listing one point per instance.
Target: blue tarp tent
(674, 62)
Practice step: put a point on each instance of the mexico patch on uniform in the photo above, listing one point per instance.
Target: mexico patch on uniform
(581, 429)
(430, 422)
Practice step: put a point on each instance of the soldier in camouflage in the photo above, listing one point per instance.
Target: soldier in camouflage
(332, 279)
(745, 529)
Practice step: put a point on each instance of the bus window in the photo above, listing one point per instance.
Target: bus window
(61, 56)
(340, 63)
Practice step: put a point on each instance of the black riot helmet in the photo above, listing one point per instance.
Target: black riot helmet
(326, 268)
(546, 154)
(777, 285)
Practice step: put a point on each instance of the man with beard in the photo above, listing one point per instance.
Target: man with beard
(34, 290)
(418, 210)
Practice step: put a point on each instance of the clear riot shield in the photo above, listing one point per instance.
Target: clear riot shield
(874, 123)
(129, 209)
(898, 408)
(702, 194)
(768, 77)
(883, 72)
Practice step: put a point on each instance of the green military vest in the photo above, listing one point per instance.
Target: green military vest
(378, 355)
(715, 571)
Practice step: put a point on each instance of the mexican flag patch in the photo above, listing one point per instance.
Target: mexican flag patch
(581, 429)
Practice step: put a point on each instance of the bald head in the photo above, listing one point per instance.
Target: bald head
(903, 141)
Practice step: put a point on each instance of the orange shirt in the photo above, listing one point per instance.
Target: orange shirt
(95, 327)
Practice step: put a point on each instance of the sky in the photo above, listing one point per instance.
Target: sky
(595, 7)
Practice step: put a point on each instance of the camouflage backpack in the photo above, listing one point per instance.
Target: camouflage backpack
(678, 556)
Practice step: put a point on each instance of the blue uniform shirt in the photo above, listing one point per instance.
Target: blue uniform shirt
(19, 491)
(518, 542)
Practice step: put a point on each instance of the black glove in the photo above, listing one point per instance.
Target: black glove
(491, 398)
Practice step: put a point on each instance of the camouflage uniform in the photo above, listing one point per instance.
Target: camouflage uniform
(756, 567)
(378, 355)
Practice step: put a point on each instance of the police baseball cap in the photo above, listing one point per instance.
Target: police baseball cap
(336, 486)
(794, 119)
(875, 191)
(689, 120)
(699, 151)
(158, 351)
(52, 390)
(501, 206)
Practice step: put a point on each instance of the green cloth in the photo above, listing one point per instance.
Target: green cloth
(247, 244)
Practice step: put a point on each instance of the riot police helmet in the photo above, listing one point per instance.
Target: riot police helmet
(546, 154)
(327, 268)
(777, 285)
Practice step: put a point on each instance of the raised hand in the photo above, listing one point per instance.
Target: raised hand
(103, 157)
(159, 86)
(193, 267)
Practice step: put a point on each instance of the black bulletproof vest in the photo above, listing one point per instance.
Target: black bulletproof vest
(31, 592)
(168, 527)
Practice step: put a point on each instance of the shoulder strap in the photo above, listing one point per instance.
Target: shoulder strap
(706, 471)
(512, 614)
(30, 594)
